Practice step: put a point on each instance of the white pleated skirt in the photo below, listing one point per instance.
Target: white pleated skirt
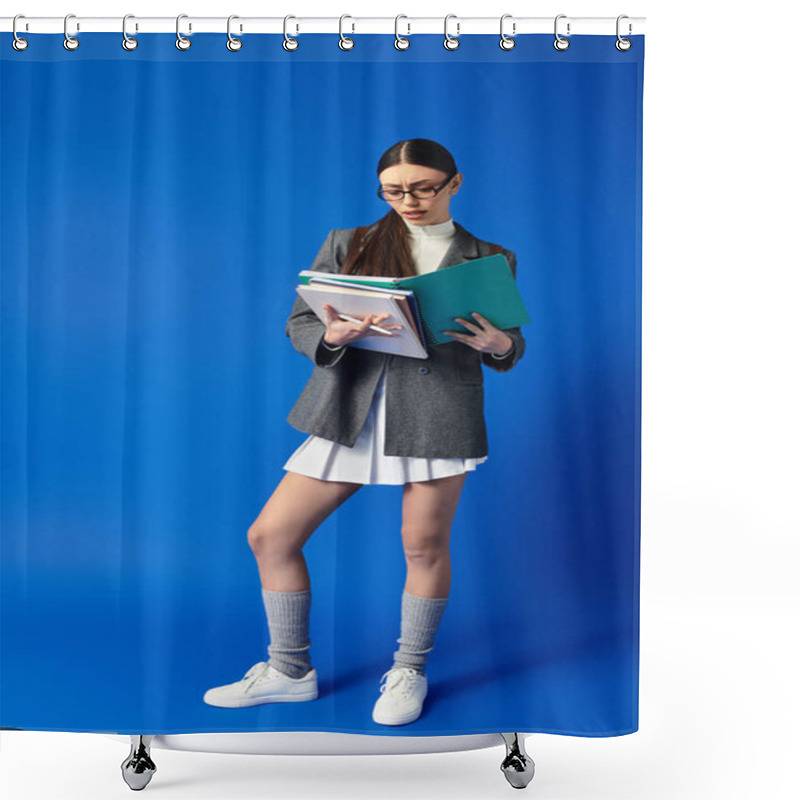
(365, 461)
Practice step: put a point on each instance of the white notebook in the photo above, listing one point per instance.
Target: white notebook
(357, 303)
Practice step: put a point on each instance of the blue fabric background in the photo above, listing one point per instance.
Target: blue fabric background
(156, 208)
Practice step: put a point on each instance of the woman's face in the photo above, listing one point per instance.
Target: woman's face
(428, 211)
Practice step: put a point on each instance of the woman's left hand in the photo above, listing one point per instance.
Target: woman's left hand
(486, 338)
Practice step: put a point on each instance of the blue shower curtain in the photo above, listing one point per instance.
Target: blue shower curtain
(157, 207)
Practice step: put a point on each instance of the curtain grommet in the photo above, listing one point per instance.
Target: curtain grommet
(560, 42)
(233, 44)
(345, 42)
(451, 42)
(70, 42)
(18, 43)
(289, 44)
(622, 44)
(507, 42)
(128, 42)
(181, 42)
(400, 42)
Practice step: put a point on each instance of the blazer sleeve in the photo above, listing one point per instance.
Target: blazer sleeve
(303, 327)
(505, 363)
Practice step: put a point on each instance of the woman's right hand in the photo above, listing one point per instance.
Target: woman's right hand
(340, 331)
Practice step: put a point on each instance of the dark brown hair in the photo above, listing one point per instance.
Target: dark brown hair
(385, 251)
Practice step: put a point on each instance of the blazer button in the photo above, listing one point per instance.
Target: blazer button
(424, 370)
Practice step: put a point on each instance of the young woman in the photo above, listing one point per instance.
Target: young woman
(376, 418)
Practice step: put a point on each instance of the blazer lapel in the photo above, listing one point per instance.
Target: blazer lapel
(463, 247)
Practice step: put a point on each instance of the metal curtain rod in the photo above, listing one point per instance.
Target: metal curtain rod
(513, 26)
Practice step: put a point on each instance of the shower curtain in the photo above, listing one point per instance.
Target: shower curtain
(157, 208)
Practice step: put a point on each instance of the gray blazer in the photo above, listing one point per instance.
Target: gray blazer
(434, 406)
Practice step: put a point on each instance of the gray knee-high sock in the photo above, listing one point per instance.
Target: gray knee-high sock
(287, 618)
(420, 621)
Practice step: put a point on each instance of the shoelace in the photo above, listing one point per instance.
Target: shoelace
(397, 675)
(254, 673)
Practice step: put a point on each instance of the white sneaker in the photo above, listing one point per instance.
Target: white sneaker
(263, 683)
(402, 694)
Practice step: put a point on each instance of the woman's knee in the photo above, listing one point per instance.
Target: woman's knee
(425, 548)
(271, 541)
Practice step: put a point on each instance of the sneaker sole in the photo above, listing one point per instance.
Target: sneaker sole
(396, 720)
(257, 701)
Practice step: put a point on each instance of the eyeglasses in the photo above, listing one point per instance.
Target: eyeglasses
(420, 192)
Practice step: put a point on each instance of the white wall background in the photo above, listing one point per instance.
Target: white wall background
(719, 614)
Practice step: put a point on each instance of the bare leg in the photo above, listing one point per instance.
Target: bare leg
(295, 510)
(428, 511)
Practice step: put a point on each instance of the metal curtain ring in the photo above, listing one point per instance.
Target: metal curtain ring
(400, 42)
(345, 43)
(506, 42)
(19, 43)
(289, 43)
(561, 43)
(233, 44)
(70, 42)
(182, 43)
(623, 44)
(128, 42)
(451, 42)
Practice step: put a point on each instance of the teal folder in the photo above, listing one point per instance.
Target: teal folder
(485, 285)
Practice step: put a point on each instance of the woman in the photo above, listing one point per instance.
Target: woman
(425, 432)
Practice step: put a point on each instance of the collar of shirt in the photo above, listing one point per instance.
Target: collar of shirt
(446, 228)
